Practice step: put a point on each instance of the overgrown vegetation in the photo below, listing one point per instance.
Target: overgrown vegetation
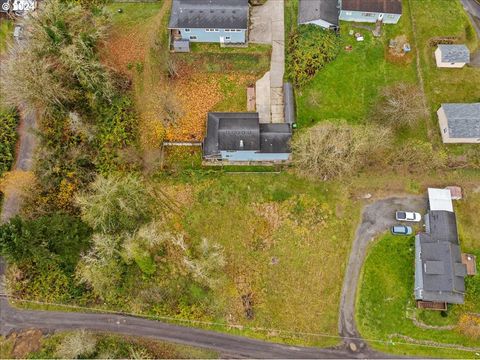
(8, 138)
(337, 150)
(310, 48)
(87, 345)
(43, 254)
(87, 123)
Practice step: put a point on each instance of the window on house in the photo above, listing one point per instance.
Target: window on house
(193, 37)
(368, 14)
(228, 38)
(187, 30)
(391, 16)
(348, 13)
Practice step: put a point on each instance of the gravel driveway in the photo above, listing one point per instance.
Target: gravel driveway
(377, 217)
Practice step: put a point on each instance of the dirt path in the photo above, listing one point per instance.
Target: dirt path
(421, 81)
(24, 157)
(376, 219)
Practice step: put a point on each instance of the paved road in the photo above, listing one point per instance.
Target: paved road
(376, 219)
(472, 7)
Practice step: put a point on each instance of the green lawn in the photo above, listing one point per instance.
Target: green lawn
(6, 33)
(385, 303)
(132, 13)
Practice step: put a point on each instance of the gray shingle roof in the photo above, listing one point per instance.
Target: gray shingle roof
(454, 53)
(310, 10)
(205, 14)
(243, 131)
(439, 272)
(463, 120)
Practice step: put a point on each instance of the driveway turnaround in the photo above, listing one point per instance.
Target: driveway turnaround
(377, 218)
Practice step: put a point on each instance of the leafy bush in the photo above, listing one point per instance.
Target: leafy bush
(8, 138)
(116, 203)
(59, 238)
(400, 105)
(45, 252)
(310, 48)
(328, 151)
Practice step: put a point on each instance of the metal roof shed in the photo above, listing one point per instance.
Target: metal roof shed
(440, 199)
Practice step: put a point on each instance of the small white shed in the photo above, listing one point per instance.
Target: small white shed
(452, 56)
(440, 199)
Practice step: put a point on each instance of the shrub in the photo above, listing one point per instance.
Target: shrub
(417, 156)
(8, 139)
(310, 48)
(76, 344)
(328, 151)
(59, 238)
(400, 105)
(116, 203)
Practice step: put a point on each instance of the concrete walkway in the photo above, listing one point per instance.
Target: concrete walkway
(268, 27)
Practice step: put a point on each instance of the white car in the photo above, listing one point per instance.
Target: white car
(408, 216)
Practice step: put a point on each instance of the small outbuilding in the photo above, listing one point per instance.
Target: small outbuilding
(452, 56)
(460, 123)
(324, 13)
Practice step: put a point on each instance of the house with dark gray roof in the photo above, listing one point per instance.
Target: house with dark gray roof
(452, 56)
(210, 21)
(324, 13)
(459, 123)
(439, 271)
(240, 137)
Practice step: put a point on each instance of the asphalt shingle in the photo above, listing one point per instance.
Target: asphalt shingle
(463, 120)
(454, 53)
(206, 14)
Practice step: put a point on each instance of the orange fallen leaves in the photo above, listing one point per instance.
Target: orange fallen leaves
(198, 95)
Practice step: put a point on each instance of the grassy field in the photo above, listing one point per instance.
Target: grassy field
(385, 304)
(282, 236)
(6, 33)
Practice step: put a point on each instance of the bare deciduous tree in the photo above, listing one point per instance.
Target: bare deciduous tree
(329, 151)
(400, 105)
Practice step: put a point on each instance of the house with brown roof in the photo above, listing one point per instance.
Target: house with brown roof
(388, 11)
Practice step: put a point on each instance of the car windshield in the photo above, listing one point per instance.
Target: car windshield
(401, 215)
